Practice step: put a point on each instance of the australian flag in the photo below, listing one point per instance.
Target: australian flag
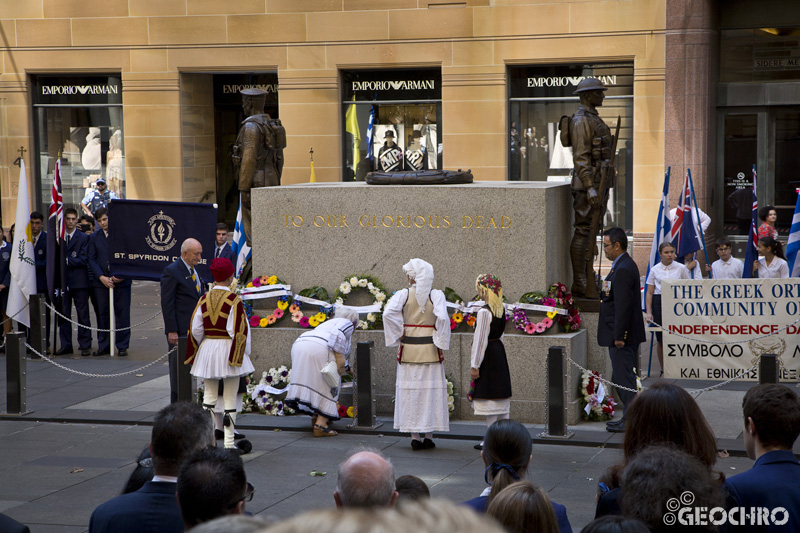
(56, 230)
(751, 253)
(683, 234)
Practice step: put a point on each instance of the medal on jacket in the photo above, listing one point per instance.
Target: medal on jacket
(606, 287)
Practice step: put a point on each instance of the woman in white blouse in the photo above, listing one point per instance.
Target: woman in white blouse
(773, 263)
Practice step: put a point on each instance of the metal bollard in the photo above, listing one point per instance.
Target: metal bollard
(16, 375)
(365, 418)
(38, 324)
(556, 396)
(185, 392)
(768, 370)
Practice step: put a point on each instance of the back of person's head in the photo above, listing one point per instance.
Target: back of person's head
(775, 411)
(233, 523)
(666, 413)
(506, 451)
(211, 483)
(522, 507)
(617, 234)
(347, 313)
(659, 474)
(141, 474)
(365, 479)
(178, 430)
(615, 524)
(411, 488)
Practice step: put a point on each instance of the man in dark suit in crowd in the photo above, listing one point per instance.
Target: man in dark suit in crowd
(621, 325)
(77, 276)
(222, 248)
(771, 426)
(40, 256)
(179, 430)
(181, 287)
(102, 281)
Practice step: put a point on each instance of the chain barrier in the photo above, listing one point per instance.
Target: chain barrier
(69, 319)
(723, 342)
(14, 315)
(91, 375)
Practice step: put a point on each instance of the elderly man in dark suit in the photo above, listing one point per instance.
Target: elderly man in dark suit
(102, 281)
(181, 288)
(179, 430)
(222, 249)
(77, 275)
(621, 325)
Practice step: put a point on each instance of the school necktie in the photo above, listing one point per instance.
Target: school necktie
(216, 254)
(194, 278)
(68, 238)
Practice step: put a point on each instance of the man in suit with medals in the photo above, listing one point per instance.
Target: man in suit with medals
(181, 288)
(621, 326)
(77, 276)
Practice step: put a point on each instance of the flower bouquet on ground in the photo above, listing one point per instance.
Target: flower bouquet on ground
(352, 284)
(317, 300)
(596, 403)
(452, 394)
(266, 396)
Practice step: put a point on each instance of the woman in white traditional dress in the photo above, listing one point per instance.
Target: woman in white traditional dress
(415, 319)
(219, 346)
(308, 392)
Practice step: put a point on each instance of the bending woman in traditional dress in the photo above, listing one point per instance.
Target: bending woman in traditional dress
(308, 392)
(491, 396)
(415, 319)
(219, 345)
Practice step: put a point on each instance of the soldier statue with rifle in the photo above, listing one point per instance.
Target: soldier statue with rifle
(593, 150)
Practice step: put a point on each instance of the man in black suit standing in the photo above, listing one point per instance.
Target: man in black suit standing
(222, 248)
(77, 276)
(181, 288)
(102, 280)
(40, 256)
(621, 325)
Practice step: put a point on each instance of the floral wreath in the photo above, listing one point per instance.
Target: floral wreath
(314, 320)
(256, 398)
(458, 318)
(598, 409)
(557, 296)
(375, 288)
(257, 321)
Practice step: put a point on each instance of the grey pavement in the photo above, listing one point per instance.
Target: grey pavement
(78, 446)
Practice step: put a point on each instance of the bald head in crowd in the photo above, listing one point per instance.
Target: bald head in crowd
(366, 479)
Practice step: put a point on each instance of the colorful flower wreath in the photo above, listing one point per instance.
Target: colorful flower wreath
(258, 321)
(258, 400)
(458, 318)
(375, 288)
(557, 296)
(598, 408)
(311, 321)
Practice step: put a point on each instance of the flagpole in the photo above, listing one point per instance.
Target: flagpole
(697, 214)
(112, 323)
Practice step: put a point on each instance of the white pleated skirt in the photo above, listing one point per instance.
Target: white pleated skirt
(491, 407)
(211, 361)
(420, 404)
(307, 391)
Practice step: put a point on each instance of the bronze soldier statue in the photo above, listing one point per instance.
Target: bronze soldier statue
(593, 149)
(258, 152)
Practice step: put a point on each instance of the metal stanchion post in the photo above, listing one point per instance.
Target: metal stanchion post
(184, 377)
(38, 324)
(16, 374)
(768, 368)
(365, 418)
(556, 395)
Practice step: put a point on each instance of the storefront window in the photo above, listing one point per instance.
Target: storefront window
(79, 120)
(759, 54)
(392, 121)
(539, 96)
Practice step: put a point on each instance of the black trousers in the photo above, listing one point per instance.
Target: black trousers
(623, 361)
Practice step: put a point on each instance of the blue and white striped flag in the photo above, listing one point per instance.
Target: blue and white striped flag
(663, 226)
(239, 244)
(794, 243)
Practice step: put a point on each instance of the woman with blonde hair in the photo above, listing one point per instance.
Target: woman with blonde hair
(523, 507)
(490, 387)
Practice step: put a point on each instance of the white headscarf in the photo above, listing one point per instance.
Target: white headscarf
(422, 273)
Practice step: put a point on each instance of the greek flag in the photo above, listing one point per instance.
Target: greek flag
(663, 226)
(239, 244)
(794, 243)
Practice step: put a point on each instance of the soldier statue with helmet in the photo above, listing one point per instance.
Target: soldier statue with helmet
(593, 148)
(258, 152)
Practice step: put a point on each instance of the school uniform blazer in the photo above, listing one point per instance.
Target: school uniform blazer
(151, 509)
(227, 253)
(40, 255)
(179, 297)
(78, 261)
(621, 306)
(99, 259)
(5, 265)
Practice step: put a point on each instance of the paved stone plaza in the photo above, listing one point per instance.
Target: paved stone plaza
(78, 446)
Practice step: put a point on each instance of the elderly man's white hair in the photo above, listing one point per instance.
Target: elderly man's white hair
(348, 313)
(422, 274)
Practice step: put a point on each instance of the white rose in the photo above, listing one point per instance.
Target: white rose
(362, 325)
(339, 301)
(362, 282)
(345, 288)
(370, 286)
(354, 281)
(371, 317)
(380, 296)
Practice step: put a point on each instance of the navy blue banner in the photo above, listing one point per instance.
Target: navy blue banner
(145, 236)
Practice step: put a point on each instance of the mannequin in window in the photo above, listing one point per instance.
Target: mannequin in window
(415, 152)
(390, 156)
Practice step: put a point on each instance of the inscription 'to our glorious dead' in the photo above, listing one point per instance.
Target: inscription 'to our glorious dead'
(399, 221)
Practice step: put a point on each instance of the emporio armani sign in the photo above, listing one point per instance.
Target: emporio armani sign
(565, 81)
(236, 88)
(404, 85)
(80, 89)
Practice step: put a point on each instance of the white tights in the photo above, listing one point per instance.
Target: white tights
(229, 391)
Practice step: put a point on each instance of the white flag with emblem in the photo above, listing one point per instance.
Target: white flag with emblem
(23, 266)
